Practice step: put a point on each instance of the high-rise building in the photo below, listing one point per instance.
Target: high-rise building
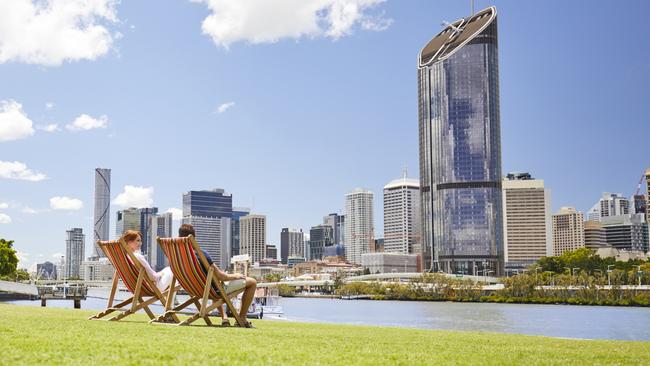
(527, 234)
(210, 212)
(46, 271)
(460, 147)
(127, 219)
(359, 235)
(271, 252)
(320, 237)
(147, 215)
(253, 236)
(629, 232)
(611, 204)
(74, 252)
(639, 204)
(594, 235)
(402, 216)
(102, 208)
(337, 223)
(647, 196)
(237, 213)
(291, 244)
(141, 220)
(161, 226)
(568, 230)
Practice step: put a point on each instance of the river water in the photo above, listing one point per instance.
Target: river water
(588, 322)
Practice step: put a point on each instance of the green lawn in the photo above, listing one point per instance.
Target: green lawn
(34, 335)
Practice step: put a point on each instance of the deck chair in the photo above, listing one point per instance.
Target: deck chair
(129, 269)
(185, 259)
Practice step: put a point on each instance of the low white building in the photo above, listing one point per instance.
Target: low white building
(99, 270)
(390, 262)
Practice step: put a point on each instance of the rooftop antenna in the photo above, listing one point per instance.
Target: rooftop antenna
(405, 171)
(471, 2)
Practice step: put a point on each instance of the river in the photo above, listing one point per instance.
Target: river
(566, 321)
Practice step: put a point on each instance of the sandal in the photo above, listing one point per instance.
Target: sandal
(247, 324)
(225, 323)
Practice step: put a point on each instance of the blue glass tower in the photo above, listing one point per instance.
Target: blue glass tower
(460, 148)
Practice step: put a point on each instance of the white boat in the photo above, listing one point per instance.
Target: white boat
(271, 302)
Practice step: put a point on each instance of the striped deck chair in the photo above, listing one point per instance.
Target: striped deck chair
(185, 259)
(129, 269)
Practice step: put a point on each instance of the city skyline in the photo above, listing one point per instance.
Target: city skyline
(256, 162)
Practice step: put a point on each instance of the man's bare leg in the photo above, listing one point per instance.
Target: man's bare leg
(247, 297)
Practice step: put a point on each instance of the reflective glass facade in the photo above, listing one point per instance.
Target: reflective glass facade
(460, 152)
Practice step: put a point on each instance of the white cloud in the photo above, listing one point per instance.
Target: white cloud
(29, 210)
(58, 255)
(225, 106)
(23, 258)
(135, 197)
(5, 219)
(177, 213)
(65, 203)
(14, 123)
(49, 105)
(4, 205)
(49, 32)
(86, 122)
(52, 127)
(19, 171)
(269, 21)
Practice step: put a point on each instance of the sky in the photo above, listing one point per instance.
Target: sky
(290, 104)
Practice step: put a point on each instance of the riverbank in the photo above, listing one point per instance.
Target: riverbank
(61, 336)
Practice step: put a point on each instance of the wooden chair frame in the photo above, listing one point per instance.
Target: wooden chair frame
(144, 287)
(201, 302)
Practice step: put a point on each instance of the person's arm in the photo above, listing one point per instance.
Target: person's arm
(224, 276)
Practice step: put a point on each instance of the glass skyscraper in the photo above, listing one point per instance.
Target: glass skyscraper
(460, 148)
(210, 212)
(102, 208)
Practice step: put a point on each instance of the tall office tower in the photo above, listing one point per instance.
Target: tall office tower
(568, 230)
(320, 237)
(460, 147)
(46, 271)
(127, 219)
(639, 204)
(253, 237)
(402, 216)
(647, 196)
(291, 244)
(629, 232)
(611, 204)
(527, 235)
(337, 223)
(210, 212)
(595, 235)
(74, 252)
(102, 208)
(271, 252)
(359, 235)
(160, 226)
(237, 213)
(146, 222)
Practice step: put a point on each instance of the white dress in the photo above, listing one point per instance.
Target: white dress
(162, 279)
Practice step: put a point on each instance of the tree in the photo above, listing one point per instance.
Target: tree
(8, 258)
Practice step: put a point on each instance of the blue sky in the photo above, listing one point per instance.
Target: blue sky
(321, 98)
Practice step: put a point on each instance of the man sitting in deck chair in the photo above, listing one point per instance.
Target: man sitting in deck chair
(235, 281)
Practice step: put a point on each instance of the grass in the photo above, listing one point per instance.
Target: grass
(34, 335)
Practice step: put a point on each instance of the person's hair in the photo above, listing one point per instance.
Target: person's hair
(186, 230)
(131, 235)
